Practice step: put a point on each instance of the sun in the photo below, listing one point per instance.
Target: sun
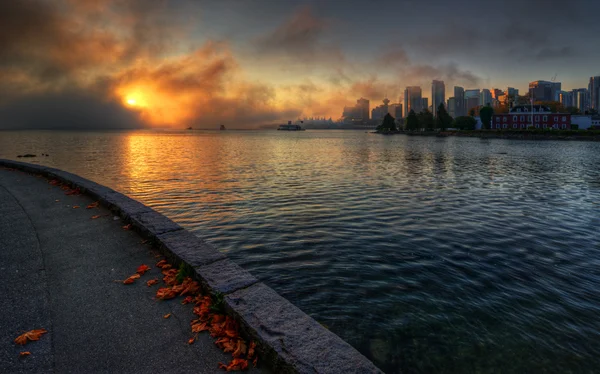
(131, 101)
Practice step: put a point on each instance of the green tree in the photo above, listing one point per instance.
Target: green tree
(486, 114)
(443, 119)
(464, 123)
(555, 106)
(387, 125)
(572, 110)
(412, 121)
(426, 119)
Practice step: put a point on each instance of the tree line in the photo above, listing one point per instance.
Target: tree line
(425, 120)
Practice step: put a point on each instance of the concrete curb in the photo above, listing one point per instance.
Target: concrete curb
(288, 340)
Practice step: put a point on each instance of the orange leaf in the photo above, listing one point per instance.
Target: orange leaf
(161, 263)
(23, 354)
(187, 300)
(127, 227)
(192, 340)
(236, 364)
(30, 335)
(144, 241)
(251, 350)
(94, 217)
(255, 361)
(93, 205)
(240, 349)
(142, 269)
(199, 327)
(131, 279)
(165, 293)
(167, 316)
(151, 282)
(75, 206)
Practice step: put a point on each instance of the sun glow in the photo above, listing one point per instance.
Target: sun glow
(131, 101)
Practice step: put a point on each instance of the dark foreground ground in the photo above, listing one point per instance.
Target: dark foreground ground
(57, 271)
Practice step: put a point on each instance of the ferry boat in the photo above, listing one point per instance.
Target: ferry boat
(222, 127)
(290, 127)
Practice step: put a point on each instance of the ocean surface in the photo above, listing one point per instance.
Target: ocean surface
(429, 255)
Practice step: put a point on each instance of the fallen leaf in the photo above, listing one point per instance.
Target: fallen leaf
(142, 269)
(187, 300)
(93, 205)
(30, 335)
(161, 263)
(255, 361)
(151, 282)
(23, 354)
(240, 349)
(131, 279)
(192, 340)
(75, 206)
(57, 201)
(96, 216)
(167, 316)
(127, 227)
(144, 241)
(251, 350)
(236, 364)
(165, 293)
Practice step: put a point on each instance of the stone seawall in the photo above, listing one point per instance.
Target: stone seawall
(288, 340)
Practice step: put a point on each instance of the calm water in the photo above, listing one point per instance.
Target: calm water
(426, 254)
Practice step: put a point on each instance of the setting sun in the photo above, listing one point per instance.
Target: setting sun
(131, 101)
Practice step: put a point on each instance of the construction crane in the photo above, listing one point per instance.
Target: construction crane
(554, 77)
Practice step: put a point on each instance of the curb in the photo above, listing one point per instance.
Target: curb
(288, 340)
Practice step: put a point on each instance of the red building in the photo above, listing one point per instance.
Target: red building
(520, 118)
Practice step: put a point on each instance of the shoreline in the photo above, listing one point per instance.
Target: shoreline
(568, 135)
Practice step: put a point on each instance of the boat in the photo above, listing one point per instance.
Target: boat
(222, 127)
(290, 127)
(189, 128)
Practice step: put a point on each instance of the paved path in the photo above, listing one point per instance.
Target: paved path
(57, 272)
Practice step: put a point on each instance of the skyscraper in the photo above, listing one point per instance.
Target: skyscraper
(412, 99)
(459, 101)
(486, 97)
(594, 89)
(425, 103)
(438, 95)
(581, 98)
(566, 98)
(362, 106)
(451, 107)
(544, 90)
(472, 99)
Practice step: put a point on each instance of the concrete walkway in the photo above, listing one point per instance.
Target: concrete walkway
(57, 271)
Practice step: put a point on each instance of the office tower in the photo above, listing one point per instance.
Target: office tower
(486, 97)
(594, 90)
(438, 95)
(412, 99)
(451, 107)
(472, 98)
(362, 106)
(544, 90)
(459, 101)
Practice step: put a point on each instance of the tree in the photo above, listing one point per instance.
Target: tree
(472, 112)
(465, 123)
(555, 106)
(443, 119)
(387, 125)
(426, 119)
(411, 121)
(486, 114)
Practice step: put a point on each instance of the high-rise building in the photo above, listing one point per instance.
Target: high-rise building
(594, 89)
(486, 97)
(581, 99)
(472, 99)
(451, 107)
(425, 103)
(413, 99)
(496, 93)
(438, 95)
(380, 111)
(396, 110)
(459, 102)
(362, 106)
(544, 91)
(565, 98)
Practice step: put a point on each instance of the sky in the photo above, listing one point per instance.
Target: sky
(94, 64)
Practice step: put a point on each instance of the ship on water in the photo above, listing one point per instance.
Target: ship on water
(222, 127)
(290, 127)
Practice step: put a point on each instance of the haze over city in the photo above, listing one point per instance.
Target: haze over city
(128, 64)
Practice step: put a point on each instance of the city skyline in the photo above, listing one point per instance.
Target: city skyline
(134, 63)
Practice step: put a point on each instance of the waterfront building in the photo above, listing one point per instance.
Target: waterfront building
(451, 107)
(486, 97)
(396, 110)
(594, 90)
(425, 104)
(438, 95)
(496, 93)
(459, 101)
(520, 117)
(544, 90)
(358, 112)
(472, 98)
(380, 111)
(565, 98)
(581, 99)
(363, 108)
(413, 99)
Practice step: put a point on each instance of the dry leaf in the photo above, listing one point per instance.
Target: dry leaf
(142, 269)
(30, 335)
(151, 282)
(127, 227)
(131, 279)
(251, 350)
(94, 217)
(75, 206)
(192, 340)
(236, 364)
(161, 263)
(167, 316)
(93, 205)
(23, 354)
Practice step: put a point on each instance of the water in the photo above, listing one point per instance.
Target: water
(428, 255)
